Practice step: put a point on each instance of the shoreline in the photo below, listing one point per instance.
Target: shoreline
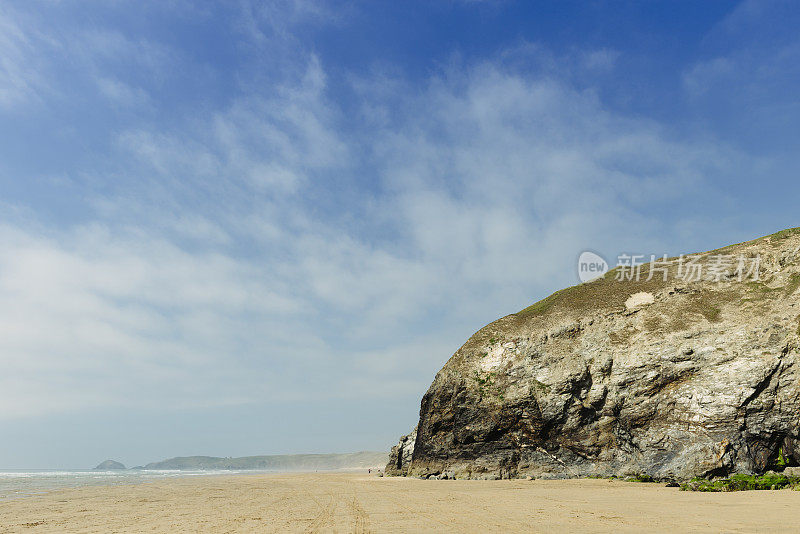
(24, 483)
(350, 502)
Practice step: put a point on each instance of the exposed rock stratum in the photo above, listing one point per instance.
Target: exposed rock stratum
(692, 376)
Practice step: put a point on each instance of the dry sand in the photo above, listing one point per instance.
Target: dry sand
(339, 502)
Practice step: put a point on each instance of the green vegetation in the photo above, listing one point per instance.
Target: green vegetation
(483, 380)
(709, 304)
(709, 312)
(778, 236)
(784, 234)
(782, 461)
(652, 323)
(606, 292)
(760, 288)
(541, 307)
(487, 386)
(793, 285)
(759, 292)
(768, 481)
(541, 386)
(622, 335)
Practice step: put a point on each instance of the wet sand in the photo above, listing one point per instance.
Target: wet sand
(346, 502)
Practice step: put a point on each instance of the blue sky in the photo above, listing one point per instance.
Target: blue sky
(262, 227)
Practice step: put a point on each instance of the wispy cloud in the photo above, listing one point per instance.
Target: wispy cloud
(748, 76)
(462, 217)
(303, 237)
(49, 65)
(21, 79)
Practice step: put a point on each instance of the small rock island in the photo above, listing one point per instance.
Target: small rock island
(108, 465)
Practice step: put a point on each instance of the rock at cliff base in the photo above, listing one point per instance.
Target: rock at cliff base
(400, 456)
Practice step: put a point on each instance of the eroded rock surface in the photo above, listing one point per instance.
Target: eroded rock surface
(401, 454)
(698, 378)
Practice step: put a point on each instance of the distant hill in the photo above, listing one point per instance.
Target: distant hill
(283, 462)
(109, 464)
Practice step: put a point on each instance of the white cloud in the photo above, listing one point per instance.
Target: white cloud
(121, 93)
(90, 316)
(275, 21)
(267, 144)
(278, 247)
(21, 78)
(499, 175)
(41, 63)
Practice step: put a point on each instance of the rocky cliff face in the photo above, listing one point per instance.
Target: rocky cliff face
(695, 375)
(401, 454)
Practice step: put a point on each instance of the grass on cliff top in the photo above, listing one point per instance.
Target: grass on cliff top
(777, 237)
(605, 292)
(785, 234)
(768, 481)
(609, 293)
(793, 284)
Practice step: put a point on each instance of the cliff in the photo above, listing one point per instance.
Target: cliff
(695, 375)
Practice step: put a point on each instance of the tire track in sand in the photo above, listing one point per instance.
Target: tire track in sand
(360, 517)
(325, 515)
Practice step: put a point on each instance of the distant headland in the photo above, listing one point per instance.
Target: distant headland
(278, 462)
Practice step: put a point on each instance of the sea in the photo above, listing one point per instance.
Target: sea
(16, 484)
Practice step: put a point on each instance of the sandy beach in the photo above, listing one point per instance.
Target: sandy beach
(346, 502)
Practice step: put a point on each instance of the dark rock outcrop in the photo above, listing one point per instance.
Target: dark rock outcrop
(670, 379)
